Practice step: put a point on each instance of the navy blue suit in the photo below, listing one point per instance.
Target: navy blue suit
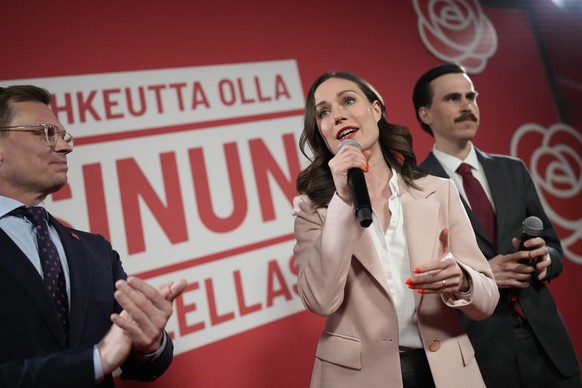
(515, 199)
(33, 350)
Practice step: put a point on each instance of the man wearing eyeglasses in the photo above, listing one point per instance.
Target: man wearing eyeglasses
(69, 315)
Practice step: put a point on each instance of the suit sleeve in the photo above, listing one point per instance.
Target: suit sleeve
(72, 367)
(133, 368)
(323, 252)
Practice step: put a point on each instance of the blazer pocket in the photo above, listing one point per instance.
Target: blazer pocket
(340, 349)
(467, 351)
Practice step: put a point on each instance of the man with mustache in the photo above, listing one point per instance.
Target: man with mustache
(525, 342)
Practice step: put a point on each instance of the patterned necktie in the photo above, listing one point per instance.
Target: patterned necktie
(54, 277)
(480, 204)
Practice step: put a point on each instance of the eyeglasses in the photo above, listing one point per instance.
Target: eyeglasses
(51, 132)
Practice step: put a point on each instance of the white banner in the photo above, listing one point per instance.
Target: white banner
(190, 173)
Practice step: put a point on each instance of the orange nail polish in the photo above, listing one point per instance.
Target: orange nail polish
(416, 270)
(421, 291)
(408, 281)
(411, 286)
(367, 167)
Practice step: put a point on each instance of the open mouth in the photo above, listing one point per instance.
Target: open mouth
(345, 132)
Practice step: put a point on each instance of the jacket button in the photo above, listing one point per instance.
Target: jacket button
(434, 345)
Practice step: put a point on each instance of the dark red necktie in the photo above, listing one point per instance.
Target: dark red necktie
(483, 210)
(480, 204)
(54, 277)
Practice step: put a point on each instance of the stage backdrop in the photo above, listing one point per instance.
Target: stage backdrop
(188, 118)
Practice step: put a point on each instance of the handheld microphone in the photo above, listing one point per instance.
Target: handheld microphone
(531, 227)
(358, 189)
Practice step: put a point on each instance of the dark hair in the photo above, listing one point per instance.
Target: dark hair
(19, 93)
(423, 93)
(395, 141)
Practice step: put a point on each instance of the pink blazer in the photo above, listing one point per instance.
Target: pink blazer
(340, 277)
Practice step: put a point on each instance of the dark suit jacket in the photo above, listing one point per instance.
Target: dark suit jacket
(33, 350)
(515, 199)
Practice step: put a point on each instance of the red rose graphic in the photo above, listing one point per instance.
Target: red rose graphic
(554, 157)
(456, 31)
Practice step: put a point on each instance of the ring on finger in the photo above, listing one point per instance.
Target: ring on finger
(444, 284)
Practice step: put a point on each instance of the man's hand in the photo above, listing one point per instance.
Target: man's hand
(514, 270)
(538, 255)
(114, 348)
(146, 311)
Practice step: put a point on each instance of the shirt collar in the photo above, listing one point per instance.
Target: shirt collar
(8, 204)
(394, 183)
(452, 162)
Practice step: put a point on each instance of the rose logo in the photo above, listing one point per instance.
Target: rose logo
(554, 159)
(456, 31)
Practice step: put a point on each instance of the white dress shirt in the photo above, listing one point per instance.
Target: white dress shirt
(451, 163)
(392, 249)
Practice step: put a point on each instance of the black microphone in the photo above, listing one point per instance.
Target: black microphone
(531, 227)
(358, 189)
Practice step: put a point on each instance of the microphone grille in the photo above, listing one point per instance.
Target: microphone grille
(349, 142)
(533, 226)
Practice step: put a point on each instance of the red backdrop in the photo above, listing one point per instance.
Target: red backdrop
(380, 41)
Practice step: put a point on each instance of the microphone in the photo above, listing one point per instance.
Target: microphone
(358, 189)
(531, 227)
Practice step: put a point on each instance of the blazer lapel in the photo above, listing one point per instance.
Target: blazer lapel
(79, 276)
(420, 225)
(432, 166)
(15, 263)
(366, 253)
(498, 190)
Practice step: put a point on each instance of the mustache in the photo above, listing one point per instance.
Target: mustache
(467, 116)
